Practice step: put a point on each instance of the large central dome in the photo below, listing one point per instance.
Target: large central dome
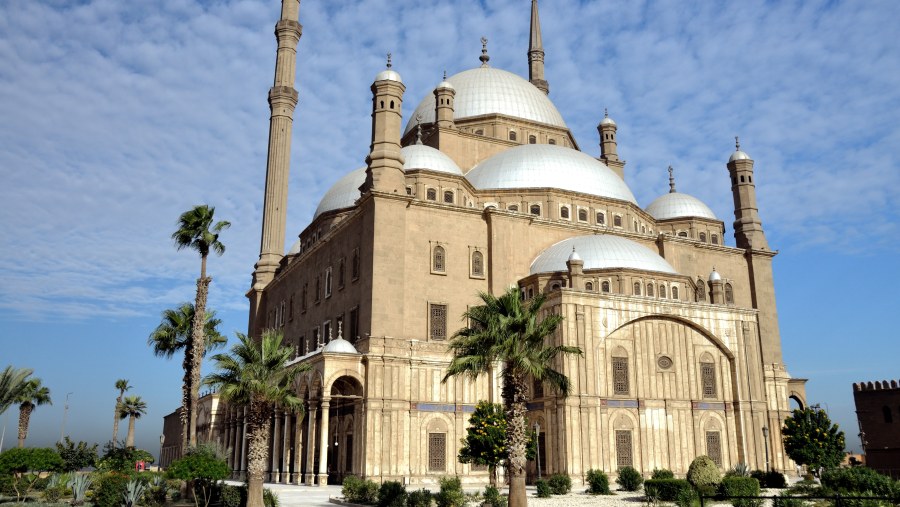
(485, 90)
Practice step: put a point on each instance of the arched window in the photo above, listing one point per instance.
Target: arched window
(674, 292)
(479, 132)
(644, 229)
(555, 286)
(532, 140)
(742, 178)
(530, 292)
(617, 221)
(438, 260)
(513, 207)
(662, 291)
(409, 191)
(715, 239)
(535, 209)
(477, 264)
(582, 215)
(701, 291)
(637, 288)
(634, 223)
(431, 194)
(888, 417)
(682, 234)
(729, 294)
(703, 237)
(650, 289)
(512, 135)
(448, 196)
(564, 212)
(708, 378)
(552, 141)
(589, 286)
(604, 286)
(601, 218)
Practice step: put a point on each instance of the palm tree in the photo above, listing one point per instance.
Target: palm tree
(122, 386)
(509, 331)
(194, 232)
(12, 381)
(254, 375)
(33, 395)
(132, 407)
(174, 334)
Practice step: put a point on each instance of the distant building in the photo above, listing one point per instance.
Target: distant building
(878, 413)
(207, 428)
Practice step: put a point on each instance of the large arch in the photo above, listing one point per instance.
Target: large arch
(687, 322)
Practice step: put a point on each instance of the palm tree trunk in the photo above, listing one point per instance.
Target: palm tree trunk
(129, 440)
(514, 399)
(197, 345)
(24, 416)
(185, 414)
(116, 418)
(257, 452)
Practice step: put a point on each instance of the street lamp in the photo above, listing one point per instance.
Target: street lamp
(765, 432)
(62, 430)
(537, 432)
(162, 440)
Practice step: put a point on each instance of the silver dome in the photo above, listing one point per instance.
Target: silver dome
(574, 256)
(295, 248)
(485, 90)
(445, 85)
(601, 251)
(549, 166)
(388, 75)
(420, 156)
(607, 121)
(738, 155)
(676, 205)
(715, 276)
(342, 194)
(340, 346)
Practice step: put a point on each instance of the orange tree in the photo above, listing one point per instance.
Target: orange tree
(811, 439)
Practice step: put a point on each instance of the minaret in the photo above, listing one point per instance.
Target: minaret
(536, 53)
(282, 101)
(384, 172)
(443, 103)
(671, 180)
(748, 230)
(608, 145)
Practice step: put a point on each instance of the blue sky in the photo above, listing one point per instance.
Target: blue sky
(117, 116)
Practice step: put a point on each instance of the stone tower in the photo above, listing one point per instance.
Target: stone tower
(748, 231)
(536, 52)
(608, 145)
(443, 103)
(384, 172)
(282, 101)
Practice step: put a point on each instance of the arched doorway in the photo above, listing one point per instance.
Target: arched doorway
(344, 416)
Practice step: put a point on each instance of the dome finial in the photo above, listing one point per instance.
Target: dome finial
(606, 112)
(389, 60)
(340, 334)
(418, 129)
(484, 54)
(737, 143)
(671, 180)
(445, 75)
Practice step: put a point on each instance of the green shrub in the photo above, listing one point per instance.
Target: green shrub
(560, 484)
(420, 498)
(704, 472)
(543, 488)
(857, 480)
(629, 479)
(270, 498)
(109, 489)
(785, 499)
(233, 496)
(356, 490)
(760, 476)
(662, 473)
(598, 482)
(391, 494)
(451, 493)
(741, 486)
(739, 470)
(687, 498)
(493, 498)
(666, 490)
(775, 480)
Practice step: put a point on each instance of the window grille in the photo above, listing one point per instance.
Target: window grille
(318, 287)
(341, 274)
(437, 452)
(674, 292)
(715, 239)
(532, 140)
(564, 212)
(431, 194)
(535, 209)
(438, 259)
(328, 282)
(326, 331)
(601, 218)
(589, 286)
(552, 141)
(714, 447)
(537, 388)
(682, 234)
(438, 325)
(478, 264)
(448, 197)
(617, 221)
(650, 289)
(703, 237)
(348, 453)
(623, 449)
(729, 294)
(701, 291)
(582, 215)
(304, 297)
(314, 339)
(604, 286)
(512, 135)
(708, 376)
(291, 308)
(637, 288)
(408, 190)
(662, 291)
(620, 375)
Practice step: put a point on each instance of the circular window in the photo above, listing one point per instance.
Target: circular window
(664, 362)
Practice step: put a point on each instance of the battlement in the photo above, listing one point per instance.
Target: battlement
(878, 385)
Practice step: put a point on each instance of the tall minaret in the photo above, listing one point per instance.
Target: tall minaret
(748, 230)
(282, 101)
(384, 171)
(536, 52)
(608, 145)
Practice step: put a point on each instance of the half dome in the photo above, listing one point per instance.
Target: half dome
(342, 194)
(549, 166)
(601, 251)
(486, 90)
(676, 205)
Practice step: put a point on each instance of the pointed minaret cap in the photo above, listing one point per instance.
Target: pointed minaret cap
(388, 74)
(738, 154)
(715, 276)
(671, 180)
(606, 119)
(485, 58)
(445, 85)
(574, 255)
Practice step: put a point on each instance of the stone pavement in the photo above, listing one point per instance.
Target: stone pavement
(291, 495)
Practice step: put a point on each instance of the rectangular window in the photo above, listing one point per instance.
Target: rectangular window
(354, 325)
(620, 375)
(304, 296)
(438, 321)
(314, 340)
(291, 309)
(326, 331)
(328, 282)
(281, 315)
(623, 449)
(318, 288)
(341, 273)
(437, 452)
(354, 268)
(714, 447)
(708, 376)
(301, 346)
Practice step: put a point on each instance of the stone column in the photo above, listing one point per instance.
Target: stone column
(323, 445)
(286, 448)
(311, 444)
(275, 464)
(296, 477)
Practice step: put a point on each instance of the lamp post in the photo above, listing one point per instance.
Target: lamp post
(765, 432)
(62, 430)
(162, 440)
(537, 432)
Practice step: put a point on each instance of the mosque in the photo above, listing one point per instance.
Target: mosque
(485, 187)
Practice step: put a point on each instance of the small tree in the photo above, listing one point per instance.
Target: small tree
(485, 441)
(202, 466)
(121, 459)
(17, 462)
(76, 456)
(811, 439)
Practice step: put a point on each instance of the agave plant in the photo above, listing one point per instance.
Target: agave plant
(57, 480)
(79, 484)
(740, 470)
(134, 490)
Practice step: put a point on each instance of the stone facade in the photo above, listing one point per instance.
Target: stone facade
(878, 413)
(682, 353)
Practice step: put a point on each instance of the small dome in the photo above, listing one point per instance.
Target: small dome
(714, 276)
(445, 85)
(549, 166)
(340, 346)
(607, 121)
(574, 256)
(486, 90)
(676, 205)
(388, 75)
(601, 251)
(420, 156)
(739, 155)
(295, 248)
(342, 194)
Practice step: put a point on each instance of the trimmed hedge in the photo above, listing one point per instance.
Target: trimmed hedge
(662, 473)
(391, 494)
(704, 472)
(858, 480)
(543, 488)
(598, 482)
(357, 490)
(666, 490)
(740, 486)
(560, 484)
(629, 479)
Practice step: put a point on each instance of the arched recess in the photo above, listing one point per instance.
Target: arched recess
(624, 440)
(797, 398)
(689, 323)
(713, 438)
(437, 444)
(349, 379)
(345, 395)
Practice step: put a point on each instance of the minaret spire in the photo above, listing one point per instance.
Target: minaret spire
(536, 52)
(671, 180)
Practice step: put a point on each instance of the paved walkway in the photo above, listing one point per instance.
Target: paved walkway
(292, 495)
